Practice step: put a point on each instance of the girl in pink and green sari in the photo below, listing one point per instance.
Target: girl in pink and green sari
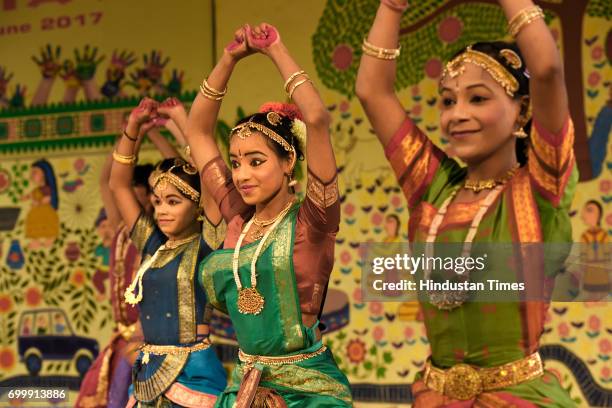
(504, 110)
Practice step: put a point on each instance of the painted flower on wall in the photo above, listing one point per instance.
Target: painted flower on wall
(33, 296)
(356, 351)
(6, 303)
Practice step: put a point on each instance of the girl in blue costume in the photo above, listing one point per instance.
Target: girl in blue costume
(176, 366)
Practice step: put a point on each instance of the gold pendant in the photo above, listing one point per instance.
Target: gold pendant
(145, 358)
(257, 233)
(250, 301)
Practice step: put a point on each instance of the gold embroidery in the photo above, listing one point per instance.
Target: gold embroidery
(213, 235)
(209, 266)
(406, 152)
(122, 244)
(184, 396)
(323, 195)
(415, 174)
(215, 175)
(186, 295)
(525, 210)
(300, 379)
(101, 395)
(142, 230)
(284, 277)
(548, 164)
(151, 388)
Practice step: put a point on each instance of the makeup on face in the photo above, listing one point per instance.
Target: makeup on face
(477, 116)
(173, 212)
(257, 172)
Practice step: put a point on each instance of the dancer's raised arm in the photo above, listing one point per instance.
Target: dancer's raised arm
(266, 39)
(200, 127)
(377, 70)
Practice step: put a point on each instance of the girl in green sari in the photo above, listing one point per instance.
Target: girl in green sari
(482, 354)
(278, 253)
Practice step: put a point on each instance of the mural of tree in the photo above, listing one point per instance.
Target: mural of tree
(432, 31)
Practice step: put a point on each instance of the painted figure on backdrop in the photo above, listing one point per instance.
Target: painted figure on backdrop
(504, 110)
(42, 221)
(595, 252)
(107, 381)
(278, 254)
(392, 228)
(176, 365)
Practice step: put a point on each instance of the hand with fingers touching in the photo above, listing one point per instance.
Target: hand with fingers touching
(262, 37)
(141, 119)
(239, 48)
(172, 110)
(49, 61)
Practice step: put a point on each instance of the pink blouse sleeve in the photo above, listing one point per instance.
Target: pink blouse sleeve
(321, 207)
(551, 160)
(218, 181)
(414, 159)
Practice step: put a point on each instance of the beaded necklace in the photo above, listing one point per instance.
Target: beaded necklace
(250, 301)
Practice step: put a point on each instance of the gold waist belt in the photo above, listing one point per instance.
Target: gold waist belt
(250, 359)
(464, 382)
(171, 349)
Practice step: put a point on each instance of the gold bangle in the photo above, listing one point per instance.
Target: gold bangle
(213, 91)
(379, 52)
(383, 52)
(294, 87)
(207, 95)
(119, 158)
(523, 18)
(291, 78)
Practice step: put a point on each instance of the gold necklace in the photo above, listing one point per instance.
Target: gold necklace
(488, 184)
(174, 243)
(130, 292)
(261, 224)
(250, 301)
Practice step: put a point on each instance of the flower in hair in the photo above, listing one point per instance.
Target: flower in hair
(298, 129)
(287, 110)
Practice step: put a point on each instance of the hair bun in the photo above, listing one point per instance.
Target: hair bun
(288, 110)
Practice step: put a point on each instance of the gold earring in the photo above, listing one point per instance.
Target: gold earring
(292, 181)
(520, 133)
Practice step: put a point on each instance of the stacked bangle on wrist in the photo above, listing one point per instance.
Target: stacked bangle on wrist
(523, 18)
(291, 83)
(211, 93)
(129, 160)
(379, 52)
